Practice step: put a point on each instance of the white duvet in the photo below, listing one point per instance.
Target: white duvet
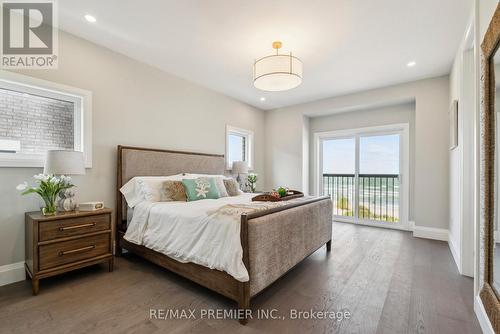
(190, 232)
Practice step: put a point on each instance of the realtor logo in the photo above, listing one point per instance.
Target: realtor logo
(29, 35)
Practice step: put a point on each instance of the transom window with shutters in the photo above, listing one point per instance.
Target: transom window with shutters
(41, 117)
(239, 146)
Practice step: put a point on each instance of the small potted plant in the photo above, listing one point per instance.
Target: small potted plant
(282, 191)
(252, 181)
(48, 187)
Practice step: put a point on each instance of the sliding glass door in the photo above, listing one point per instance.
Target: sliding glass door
(339, 169)
(378, 178)
(361, 171)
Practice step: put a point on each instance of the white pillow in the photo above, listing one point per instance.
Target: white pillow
(131, 193)
(146, 188)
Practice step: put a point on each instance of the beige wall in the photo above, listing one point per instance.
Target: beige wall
(285, 151)
(403, 113)
(133, 104)
(486, 11)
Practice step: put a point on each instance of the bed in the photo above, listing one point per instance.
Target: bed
(273, 240)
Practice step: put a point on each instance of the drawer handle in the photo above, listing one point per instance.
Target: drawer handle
(78, 250)
(66, 228)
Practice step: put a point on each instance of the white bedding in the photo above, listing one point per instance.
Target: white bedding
(190, 232)
(130, 214)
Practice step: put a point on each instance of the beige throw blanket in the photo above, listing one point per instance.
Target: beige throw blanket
(234, 211)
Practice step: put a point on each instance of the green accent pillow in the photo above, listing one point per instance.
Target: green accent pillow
(200, 188)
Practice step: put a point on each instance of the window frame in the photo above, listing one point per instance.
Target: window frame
(249, 136)
(82, 100)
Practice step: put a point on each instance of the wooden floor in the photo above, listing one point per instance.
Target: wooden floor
(389, 281)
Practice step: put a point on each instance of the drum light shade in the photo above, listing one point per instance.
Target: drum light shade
(277, 72)
(240, 167)
(59, 162)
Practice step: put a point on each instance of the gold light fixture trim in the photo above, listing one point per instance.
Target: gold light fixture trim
(277, 72)
(277, 45)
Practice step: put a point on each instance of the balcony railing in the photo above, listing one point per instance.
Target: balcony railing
(378, 195)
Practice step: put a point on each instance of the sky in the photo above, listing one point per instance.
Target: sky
(378, 155)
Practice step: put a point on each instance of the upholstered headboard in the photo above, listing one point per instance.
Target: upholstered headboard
(139, 161)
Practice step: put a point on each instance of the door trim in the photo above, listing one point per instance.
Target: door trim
(403, 129)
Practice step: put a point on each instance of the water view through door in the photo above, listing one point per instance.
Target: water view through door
(361, 174)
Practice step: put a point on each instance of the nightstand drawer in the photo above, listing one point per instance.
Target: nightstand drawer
(74, 226)
(60, 253)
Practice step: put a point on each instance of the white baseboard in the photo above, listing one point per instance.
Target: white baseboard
(12, 273)
(430, 233)
(439, 234)
(455, 253)
(411, 225)
(482, 317)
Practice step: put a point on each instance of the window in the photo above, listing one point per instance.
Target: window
(239, 143)
(36, 116)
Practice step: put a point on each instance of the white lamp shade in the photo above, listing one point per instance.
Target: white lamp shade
(59, 162)
(240, 167)
(277, 73)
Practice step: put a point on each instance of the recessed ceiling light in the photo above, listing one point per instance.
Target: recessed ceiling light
(262, 99)
(90, 18)
(411, 63)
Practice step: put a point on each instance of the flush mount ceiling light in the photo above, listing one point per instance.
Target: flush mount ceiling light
(411, 63)
(277, 72)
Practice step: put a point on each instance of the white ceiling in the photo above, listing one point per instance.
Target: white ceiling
(346, 45)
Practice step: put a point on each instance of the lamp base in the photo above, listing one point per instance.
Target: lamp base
(240, 181)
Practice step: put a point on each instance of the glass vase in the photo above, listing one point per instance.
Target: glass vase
(49, 209)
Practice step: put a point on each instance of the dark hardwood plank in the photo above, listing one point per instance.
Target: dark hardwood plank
(396, 311)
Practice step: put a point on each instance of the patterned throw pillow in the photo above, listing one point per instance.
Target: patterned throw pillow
(173, 191)
(200, 188)
(218, 181)
(232, 187)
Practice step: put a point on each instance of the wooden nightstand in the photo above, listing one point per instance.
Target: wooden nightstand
(66, 241)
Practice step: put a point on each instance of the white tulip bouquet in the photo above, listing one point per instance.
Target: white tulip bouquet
(48, 187)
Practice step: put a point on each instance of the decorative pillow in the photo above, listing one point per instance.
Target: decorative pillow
(200, 188)
(232, 187)
(218, 181)
(173, 191)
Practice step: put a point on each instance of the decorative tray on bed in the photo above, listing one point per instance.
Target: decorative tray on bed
(275, 197)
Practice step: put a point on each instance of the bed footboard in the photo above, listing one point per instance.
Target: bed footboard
(276, 240)
(279, 241)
